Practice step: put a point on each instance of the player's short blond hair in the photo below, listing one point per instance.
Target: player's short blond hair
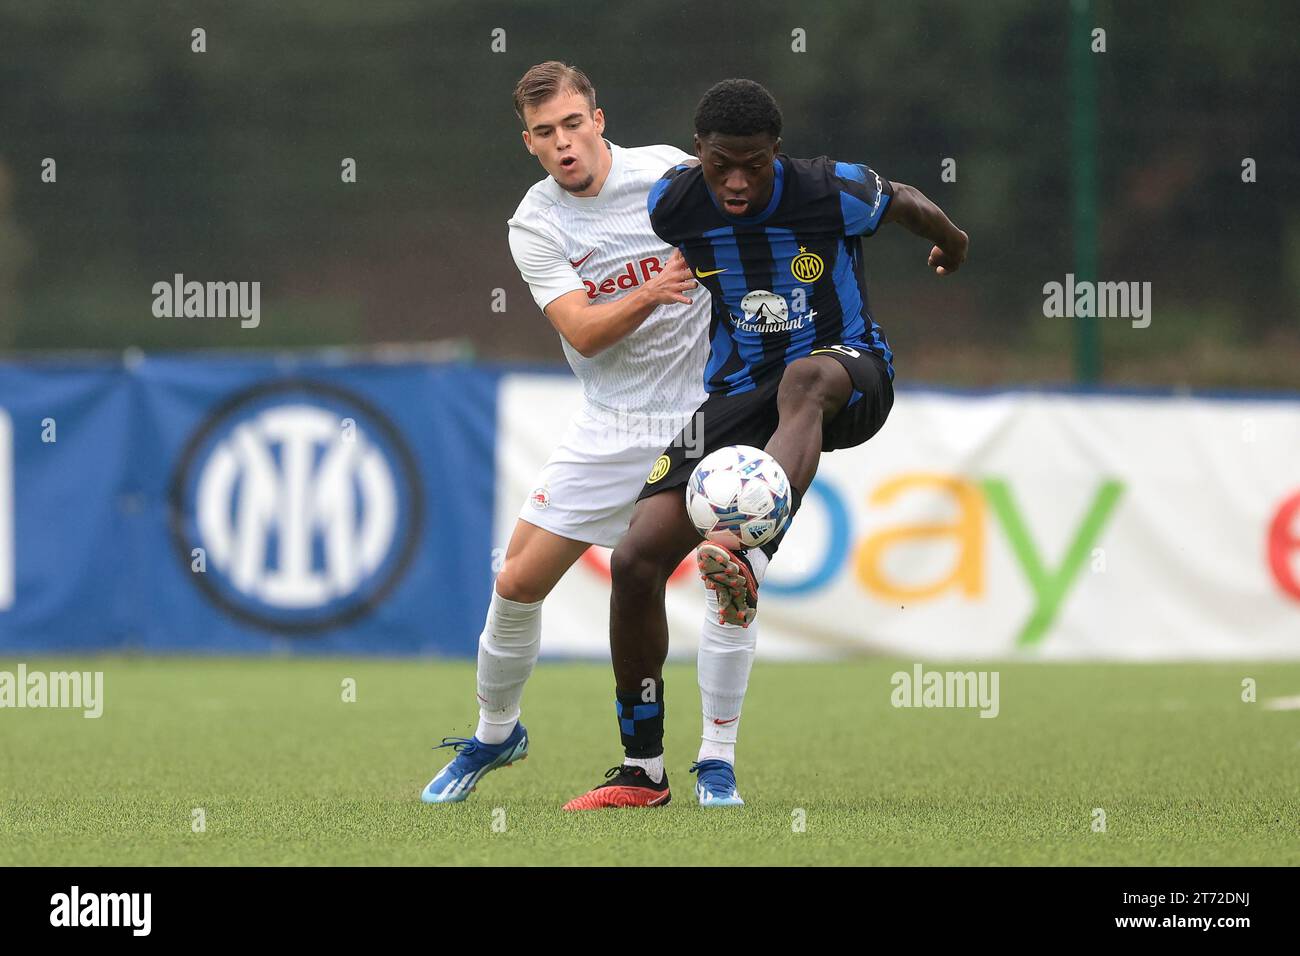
(545, 80)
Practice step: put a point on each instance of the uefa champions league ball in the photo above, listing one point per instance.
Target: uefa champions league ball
(738, 497)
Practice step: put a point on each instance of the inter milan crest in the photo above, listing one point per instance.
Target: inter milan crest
(807, 266)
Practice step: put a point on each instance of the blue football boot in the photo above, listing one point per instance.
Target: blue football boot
(716, 784)
(473, 760)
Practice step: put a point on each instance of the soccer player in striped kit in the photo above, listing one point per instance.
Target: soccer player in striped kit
(796, 363)
(635, 336)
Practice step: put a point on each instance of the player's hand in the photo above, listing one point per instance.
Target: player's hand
(945, 261)
(670, 284)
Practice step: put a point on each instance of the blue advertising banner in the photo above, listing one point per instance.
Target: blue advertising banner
(245, 504)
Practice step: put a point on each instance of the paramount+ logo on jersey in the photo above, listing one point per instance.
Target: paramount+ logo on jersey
(767, 312)
(631, 275)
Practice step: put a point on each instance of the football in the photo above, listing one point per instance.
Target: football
(738, 497)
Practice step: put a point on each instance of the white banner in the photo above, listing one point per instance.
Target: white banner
(1015, 524)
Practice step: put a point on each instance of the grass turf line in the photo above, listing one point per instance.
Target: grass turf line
(287, 773)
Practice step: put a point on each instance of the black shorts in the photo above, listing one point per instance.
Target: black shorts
(750, 418)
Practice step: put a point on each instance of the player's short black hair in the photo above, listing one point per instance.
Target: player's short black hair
(738, 108)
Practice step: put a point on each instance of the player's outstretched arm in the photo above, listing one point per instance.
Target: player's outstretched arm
(910, 208)
(593, 328)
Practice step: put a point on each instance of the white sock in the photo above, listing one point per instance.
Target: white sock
(725, 658)
(714, 750)
(758, 562)
(653, 766)
(507, 651)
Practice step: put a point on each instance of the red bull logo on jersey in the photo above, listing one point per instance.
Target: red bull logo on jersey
(629, 277)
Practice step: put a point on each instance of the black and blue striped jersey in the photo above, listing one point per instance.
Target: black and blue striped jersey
(786, 280)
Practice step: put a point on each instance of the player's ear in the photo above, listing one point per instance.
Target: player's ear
(598, 119)
(699, 147)
(776, 147)
(528, 143)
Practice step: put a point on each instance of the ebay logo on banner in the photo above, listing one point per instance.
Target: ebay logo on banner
(1048, 584)
(976, 507)
(974, 501)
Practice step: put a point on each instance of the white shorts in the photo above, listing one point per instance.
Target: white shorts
(588, 487)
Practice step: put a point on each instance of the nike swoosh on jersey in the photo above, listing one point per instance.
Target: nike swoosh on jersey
(577, 262)
(705, 275)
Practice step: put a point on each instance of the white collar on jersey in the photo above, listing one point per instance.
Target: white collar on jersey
(602, 197)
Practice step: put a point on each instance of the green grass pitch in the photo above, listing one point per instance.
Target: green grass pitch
(288, 773)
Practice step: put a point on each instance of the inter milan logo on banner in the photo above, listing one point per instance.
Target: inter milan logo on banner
(295, 507)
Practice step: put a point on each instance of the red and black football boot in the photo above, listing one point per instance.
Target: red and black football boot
(625, 786)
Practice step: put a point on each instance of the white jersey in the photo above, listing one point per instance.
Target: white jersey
(604, 245)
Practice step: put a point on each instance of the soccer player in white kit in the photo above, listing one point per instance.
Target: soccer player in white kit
(616, 294)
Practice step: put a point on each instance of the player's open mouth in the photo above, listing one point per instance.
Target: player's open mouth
(735, 205)
(568, 162)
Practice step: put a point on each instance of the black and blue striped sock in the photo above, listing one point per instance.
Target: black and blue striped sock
(641, 721)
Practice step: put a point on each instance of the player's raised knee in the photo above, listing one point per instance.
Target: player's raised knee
(514, 584)
(813, 379)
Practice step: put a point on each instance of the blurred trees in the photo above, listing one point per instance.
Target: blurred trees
(226, 165)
